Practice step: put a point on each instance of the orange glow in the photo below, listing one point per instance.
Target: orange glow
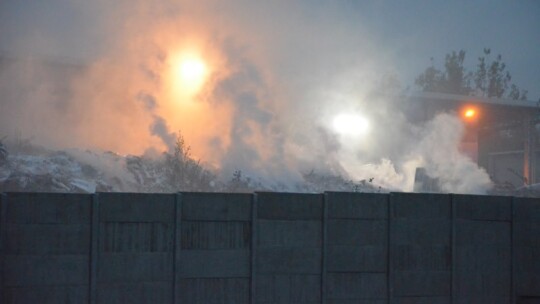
(175, 62)
(192, 70)
(190, 73)
(470, 113)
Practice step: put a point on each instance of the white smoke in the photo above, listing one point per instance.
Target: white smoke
(442, 159)
(280, 72)
(435, 147)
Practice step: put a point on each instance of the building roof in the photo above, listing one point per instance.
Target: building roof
(474, 99)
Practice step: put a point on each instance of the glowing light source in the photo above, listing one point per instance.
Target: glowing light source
(470, 114)
(190, 73)
(192, 70)
(350, 124)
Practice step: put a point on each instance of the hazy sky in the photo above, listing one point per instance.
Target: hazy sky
(413, 30)
(280, 74)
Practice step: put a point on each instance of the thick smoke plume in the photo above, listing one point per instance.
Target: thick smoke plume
(277, 74)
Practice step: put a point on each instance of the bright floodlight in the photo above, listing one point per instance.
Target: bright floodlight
(192, 70)
(350, 124)
(191, 73)
(470, 113)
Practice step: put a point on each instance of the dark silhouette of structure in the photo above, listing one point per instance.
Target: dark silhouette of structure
(501, 135)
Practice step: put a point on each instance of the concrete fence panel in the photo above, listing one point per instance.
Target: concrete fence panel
(45, 248)
(288, 261)
(526, 249)
(219, 248)
(420, 248)
(135, 248)
(482, 252)
(357, 248)
(214, 256)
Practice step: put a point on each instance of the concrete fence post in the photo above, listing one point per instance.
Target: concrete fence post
(177, 247)
(453, 250)
(420, 247)
(324, 247)
(253, 247)
(3, 207)
(512, 254)
(389, 264)
(388, 256)
(94, 243)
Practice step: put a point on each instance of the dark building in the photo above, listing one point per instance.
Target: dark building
(500, 135)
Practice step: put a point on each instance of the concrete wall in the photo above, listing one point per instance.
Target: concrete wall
(336, 248)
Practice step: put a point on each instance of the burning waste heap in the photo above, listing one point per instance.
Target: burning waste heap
(36, 169)
(28, 167)
(261, 106)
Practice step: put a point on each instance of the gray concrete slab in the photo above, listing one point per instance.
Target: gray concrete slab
(357, 232)
(421, 232)
(482, 233)
(423, 300)
(347, 205)
(478, 299)
(347, 286)
(357, 259)
(26, 270)
(46, 239)
(197, 235)
(289, 206)
(526, 209)
(289, 260)
(422, 283)
(357, 301)
(287, 233)
(136, 207)
(48, 208)
(526, 240)
(132, 237)
(135, 293)
(527, 259)
(64, 294)
(478, 284)
(527, 234)
(134, 267)
(483, 260)
(214, 263)
(213, 291)
(420, 206)
(288, 288)
(421, 258)
(483, 207)
(528, 300)
(46, 248)
(216, 206)
(528, 284)
(489, 259)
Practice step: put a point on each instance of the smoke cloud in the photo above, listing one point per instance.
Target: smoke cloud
(278, 73)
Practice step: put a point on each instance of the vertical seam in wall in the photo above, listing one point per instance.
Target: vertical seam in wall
(512, 254)
(177, 244)
(3, 208)
(324, 247)
(94, 243)
(453, 249)
(253, 247)
(389, 281)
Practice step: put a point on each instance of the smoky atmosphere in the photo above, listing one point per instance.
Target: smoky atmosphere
(291, 96)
